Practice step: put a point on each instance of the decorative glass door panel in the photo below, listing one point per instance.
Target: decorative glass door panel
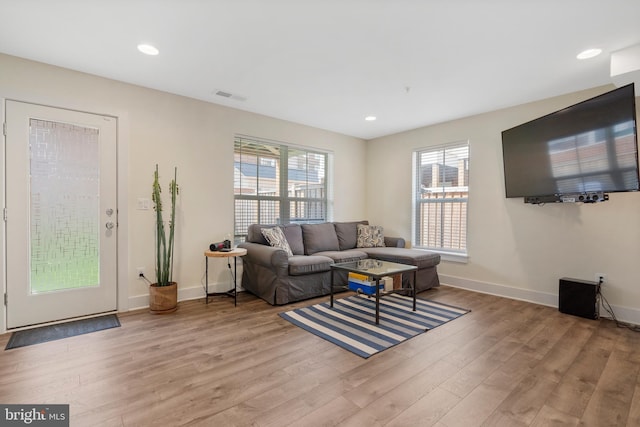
(65, 203)
(61, 214)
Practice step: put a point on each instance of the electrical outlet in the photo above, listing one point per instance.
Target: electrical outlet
(140, 271)
(599, 276)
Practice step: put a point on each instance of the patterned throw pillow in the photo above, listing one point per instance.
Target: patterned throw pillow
(370, 236)
(276, 238)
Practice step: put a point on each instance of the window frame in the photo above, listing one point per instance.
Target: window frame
(447, 253)
(283, 199)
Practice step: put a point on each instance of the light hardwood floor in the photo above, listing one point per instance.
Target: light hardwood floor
(506, 363)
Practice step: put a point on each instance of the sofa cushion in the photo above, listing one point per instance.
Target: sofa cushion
(254, 234)
(370, 236)
(344, 256)
(419, 258)
(394, 242)
(319, 237)
(308, 264)
(347, 233)
(293, 233)
(276, 238)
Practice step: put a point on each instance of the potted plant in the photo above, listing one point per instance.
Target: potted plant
(163, 295)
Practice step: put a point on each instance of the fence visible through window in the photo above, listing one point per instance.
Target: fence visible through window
(443, 220)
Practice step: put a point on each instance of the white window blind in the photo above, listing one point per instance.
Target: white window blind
(441, 189)
(276, 183)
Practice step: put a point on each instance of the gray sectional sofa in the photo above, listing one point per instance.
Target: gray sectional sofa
(278, 278)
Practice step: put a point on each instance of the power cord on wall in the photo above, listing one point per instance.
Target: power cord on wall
(233, 277)
(143, 277)
(202, 279)
(608, 309)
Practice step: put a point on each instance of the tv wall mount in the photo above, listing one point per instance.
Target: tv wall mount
(590, 197)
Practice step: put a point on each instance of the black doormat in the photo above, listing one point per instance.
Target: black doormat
(61, 330)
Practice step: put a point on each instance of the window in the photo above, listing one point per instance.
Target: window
(278, 184)
(441, 189)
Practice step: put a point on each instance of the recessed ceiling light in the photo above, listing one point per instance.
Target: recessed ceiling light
(147, 49)
(370, 118)
(589, 53)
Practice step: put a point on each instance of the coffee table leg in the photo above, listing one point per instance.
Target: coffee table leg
(377, 301)
(415, 283)
(332, 270)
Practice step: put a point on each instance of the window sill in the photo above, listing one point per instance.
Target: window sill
(454, 257)
(449, 256)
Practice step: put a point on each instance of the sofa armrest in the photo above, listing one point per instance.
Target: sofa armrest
(394, 242)
(267, 256)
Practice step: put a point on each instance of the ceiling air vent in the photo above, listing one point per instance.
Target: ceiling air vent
(230, 95)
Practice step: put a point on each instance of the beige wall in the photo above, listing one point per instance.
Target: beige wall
(515, 249)
(197, 137)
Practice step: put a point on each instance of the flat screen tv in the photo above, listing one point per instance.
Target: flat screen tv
(581, 151)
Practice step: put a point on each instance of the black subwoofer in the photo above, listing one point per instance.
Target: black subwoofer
(578, 297)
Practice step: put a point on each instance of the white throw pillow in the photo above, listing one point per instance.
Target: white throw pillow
(276, 238)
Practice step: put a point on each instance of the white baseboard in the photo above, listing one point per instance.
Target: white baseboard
(528, 295)
(184, 294)
(623, 314)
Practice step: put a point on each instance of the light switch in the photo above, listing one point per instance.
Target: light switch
(143, 204)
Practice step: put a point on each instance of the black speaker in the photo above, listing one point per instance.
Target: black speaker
(578, 297)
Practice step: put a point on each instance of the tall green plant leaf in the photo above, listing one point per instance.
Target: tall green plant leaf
(164, 246)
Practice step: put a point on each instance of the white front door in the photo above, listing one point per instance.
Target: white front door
(61, 214)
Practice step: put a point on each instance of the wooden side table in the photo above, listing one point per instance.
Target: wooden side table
(233, 253)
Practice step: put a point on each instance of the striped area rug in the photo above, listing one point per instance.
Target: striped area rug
(351, 322)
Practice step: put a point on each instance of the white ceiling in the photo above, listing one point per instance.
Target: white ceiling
(329, 63)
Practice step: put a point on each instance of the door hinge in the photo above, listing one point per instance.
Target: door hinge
(6, 299)
(4, 214)
(4, 128)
